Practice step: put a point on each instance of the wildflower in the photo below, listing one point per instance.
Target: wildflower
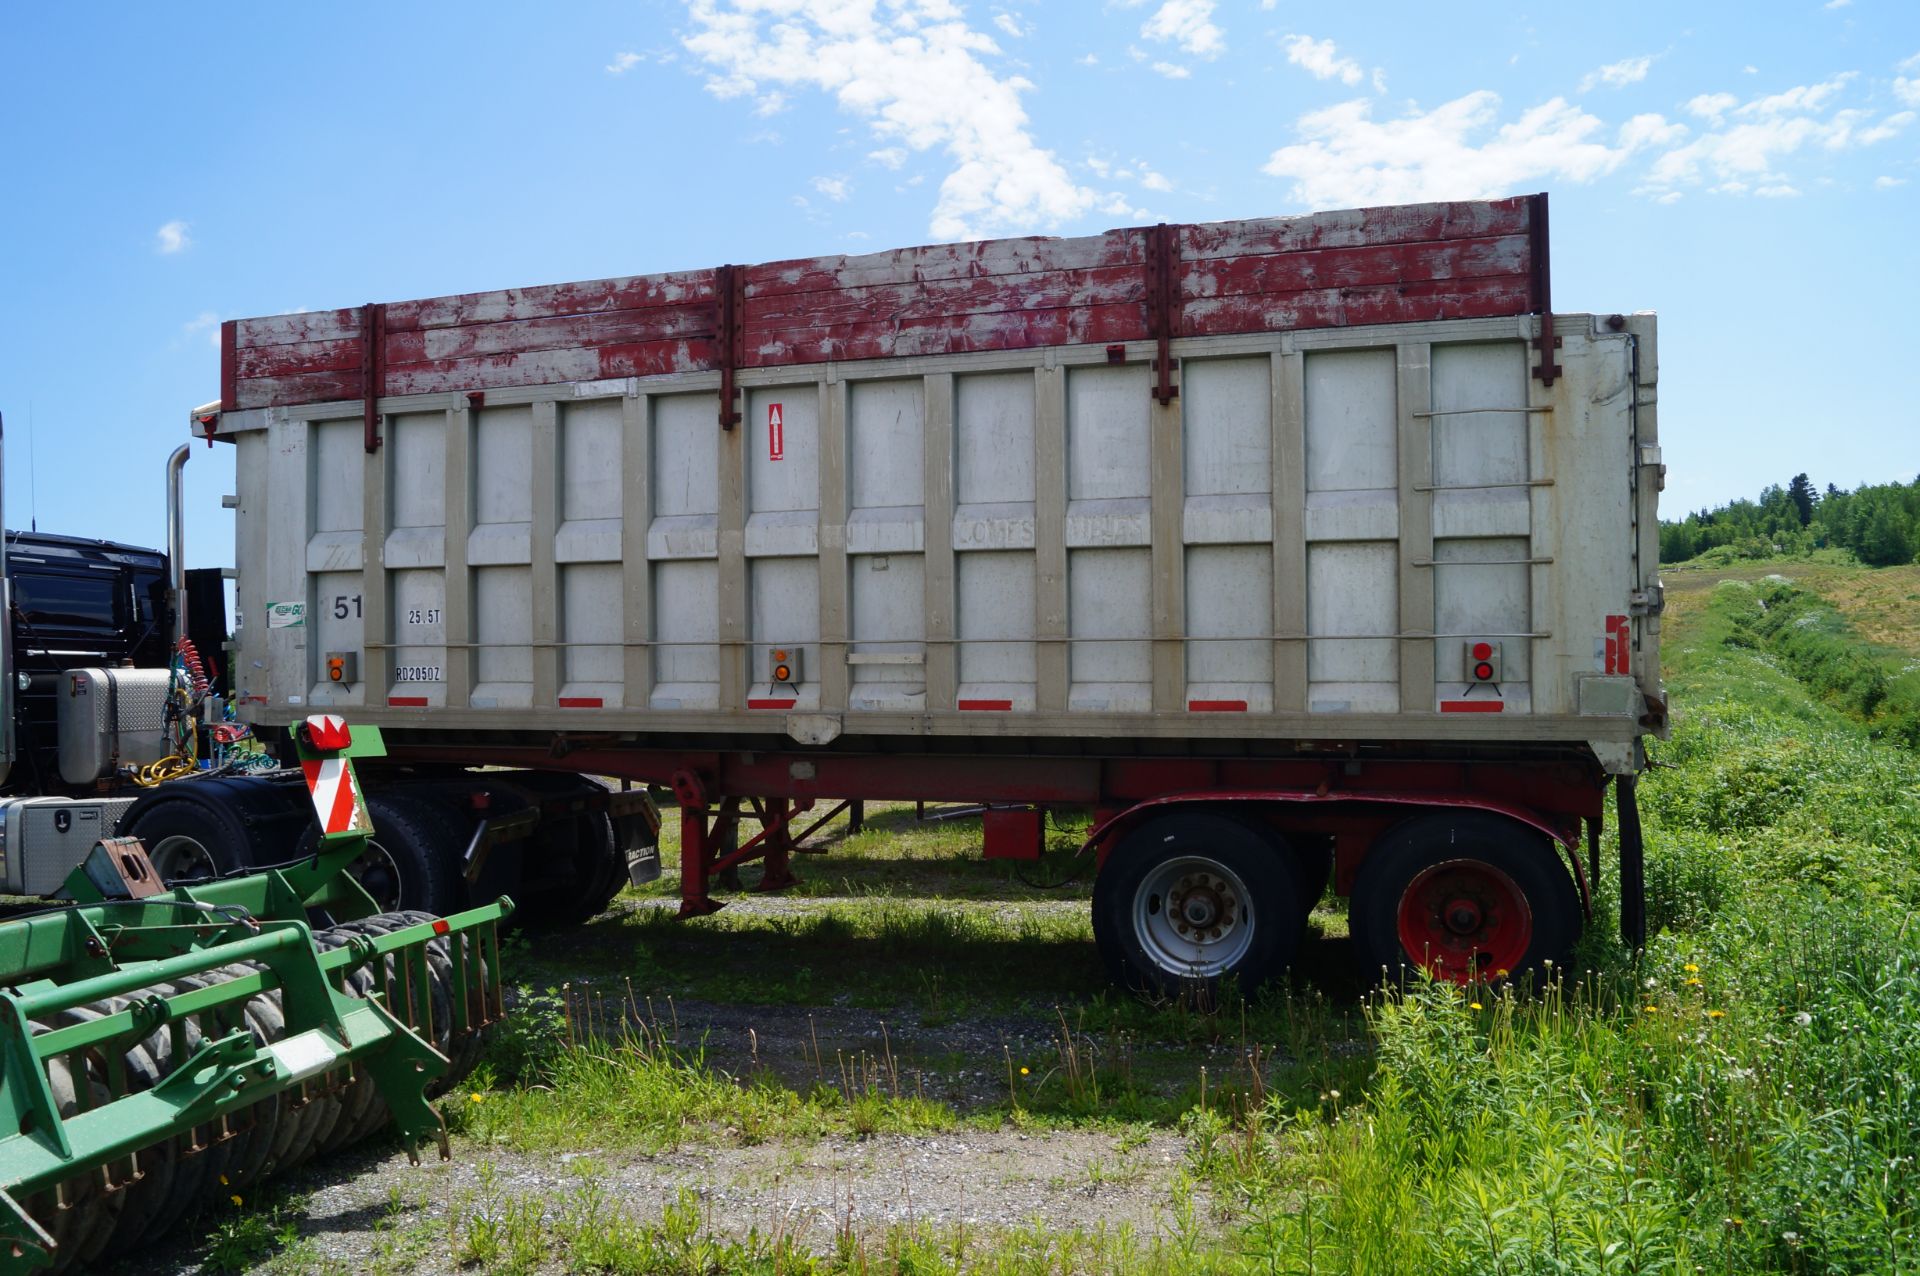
(1474, 1005)
(235, 1198)
(1501, 973)
(1023, 1072)
(1691, 969)
(1651, 1009)
(1803, 1018)
(476, 1097)
(224, 1180)
(1694, 982)
(1334, 1093)
(1716, 1014)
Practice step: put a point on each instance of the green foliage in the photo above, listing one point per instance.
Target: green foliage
(1742, 1099)
(1878, 523)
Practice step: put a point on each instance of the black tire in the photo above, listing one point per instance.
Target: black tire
(1487, 894)
(1224, 871)
(190, 840)
(414, 860)
(592, 867)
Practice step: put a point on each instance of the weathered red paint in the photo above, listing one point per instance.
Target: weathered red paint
(1359, 266)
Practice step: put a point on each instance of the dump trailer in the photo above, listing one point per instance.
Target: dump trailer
(170, 1047)
(114, 723)
(1297, 551)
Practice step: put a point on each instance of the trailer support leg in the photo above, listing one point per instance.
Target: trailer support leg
(696, 846)
(1633, 865)
(777, 870)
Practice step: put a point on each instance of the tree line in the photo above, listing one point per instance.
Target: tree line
(1879, 523)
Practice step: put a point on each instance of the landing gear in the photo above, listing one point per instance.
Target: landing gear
(1190, 899)
(1466, 896)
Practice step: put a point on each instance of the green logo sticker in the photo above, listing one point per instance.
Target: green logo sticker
(286, 615)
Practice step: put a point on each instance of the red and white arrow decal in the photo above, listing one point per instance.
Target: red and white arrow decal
(330, 781)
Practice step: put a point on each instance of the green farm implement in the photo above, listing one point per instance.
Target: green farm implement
(160, 1048)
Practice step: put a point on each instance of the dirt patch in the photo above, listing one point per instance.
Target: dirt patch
(373, 1212)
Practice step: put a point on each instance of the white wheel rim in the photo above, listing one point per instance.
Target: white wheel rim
(1194, 917)
(179, 858)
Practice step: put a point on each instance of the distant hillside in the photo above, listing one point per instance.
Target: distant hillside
(1878, 523)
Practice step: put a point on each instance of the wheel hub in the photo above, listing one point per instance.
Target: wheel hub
(1192, 916)
(1463, 916)
(1465, 919)
(1202, 907)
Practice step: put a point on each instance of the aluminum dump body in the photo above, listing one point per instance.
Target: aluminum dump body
(1288, 479)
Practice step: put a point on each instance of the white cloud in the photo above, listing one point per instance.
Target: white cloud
(836, 188)
(920, 78)
(1711, 106)
(1836, 4)
(1802, 97)
(769, 104)
(1132, 171)
(1671, 197)
(1379, 80)
(1189, 24)
(624, 62)
(1911, 64)
(1009, 24)
(889, 156)
(1320, 59)
(1888, 183)
(206, 321)
(1744, 145)
(1651, 130)
(1458, 150)
(1172, 70)
(1617, 75)
(1907, 91)
(1750, 69)
(1091, 59)
(172, 238)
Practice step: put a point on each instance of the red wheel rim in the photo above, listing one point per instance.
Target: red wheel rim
(1464, 920)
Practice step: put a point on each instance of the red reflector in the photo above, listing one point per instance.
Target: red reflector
(1471, 706)
(1482, 650)
(770, 704)
(328, 732)
(407, 702)
(987, 705)
(1216, 706)
(581, 702)
(1483, 671)
(440, 926)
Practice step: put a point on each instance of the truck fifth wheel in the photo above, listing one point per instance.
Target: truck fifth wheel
(1306, 552)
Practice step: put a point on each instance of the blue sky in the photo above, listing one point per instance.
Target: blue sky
(1750, 171)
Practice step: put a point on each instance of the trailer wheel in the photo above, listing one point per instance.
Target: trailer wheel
(1188, 900)
(413, 859)
(191, 840)
(1466, 896)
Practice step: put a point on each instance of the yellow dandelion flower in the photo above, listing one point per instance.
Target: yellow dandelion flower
(1716, 1014)
(1694, 982)
(1474, 1005)
(1691, 969)
(476, 1097)
(1023, 1072)
(235, 1198)
(1501, 973)
(1653, 1010)
(224, 1180)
